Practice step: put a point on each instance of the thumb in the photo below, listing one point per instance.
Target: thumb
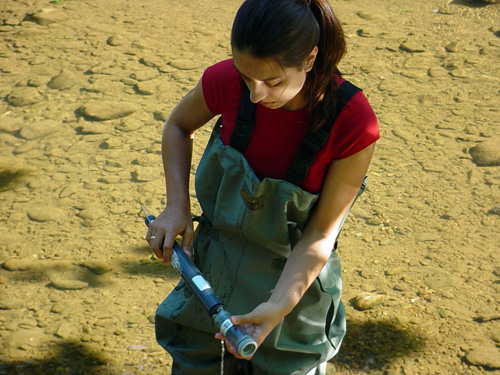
(242, 319)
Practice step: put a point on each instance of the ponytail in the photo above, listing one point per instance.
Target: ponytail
(287, 31)
(321, 85)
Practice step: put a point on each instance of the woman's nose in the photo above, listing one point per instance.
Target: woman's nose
(257, 92)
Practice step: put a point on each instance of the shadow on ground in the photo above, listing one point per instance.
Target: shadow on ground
(9, 178)
(470, 3)
(374, 344)
(68, 358)
(151, 267)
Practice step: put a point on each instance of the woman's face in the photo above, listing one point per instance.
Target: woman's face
(270, 84)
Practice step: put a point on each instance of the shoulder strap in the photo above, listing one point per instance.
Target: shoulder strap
(245, 120)
(314, 140)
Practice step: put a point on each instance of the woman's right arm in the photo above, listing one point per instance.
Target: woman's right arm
(177, 141)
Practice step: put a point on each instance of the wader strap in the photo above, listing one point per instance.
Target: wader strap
(314, 140)
(245, 121)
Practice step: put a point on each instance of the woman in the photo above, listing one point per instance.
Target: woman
(275, 184)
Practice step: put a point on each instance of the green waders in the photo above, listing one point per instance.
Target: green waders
(242, 242)
(247, 230)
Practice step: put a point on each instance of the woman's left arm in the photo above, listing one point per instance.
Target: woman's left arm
(312, 251)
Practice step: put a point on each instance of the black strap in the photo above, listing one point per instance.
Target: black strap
(314, 140)
(245, 121)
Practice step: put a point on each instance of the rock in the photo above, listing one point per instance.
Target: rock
(108, 110)
(395, 271)
(366, 301)
(486, 153)
(129, 125)
(9, 124)
(22, 96)
(147, 87)
(20, 264)
(11, 303)
(38, 129)
(452, 47)
(145, 174)
(115, 40)
(495, 335)
(484, 356)
(62, 81)
(144, 75)
(411, 46)
(47, 213)
(68, 284)
(65, 330)
(67, 306)
(374, 221)
(441, 280)
(367, 16)
(99, 267)
(185, 64)
(425, 237)
(92, 213)
(24, 337)
(48, 16)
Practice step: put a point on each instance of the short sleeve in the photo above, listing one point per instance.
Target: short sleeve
(355, 129)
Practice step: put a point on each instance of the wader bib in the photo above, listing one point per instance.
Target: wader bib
(244, 237)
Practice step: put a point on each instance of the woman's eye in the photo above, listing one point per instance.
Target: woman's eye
(274, 84)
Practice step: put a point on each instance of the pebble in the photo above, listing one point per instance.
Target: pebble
(440, 281)
(129, 125)
(23, 96)
(47, 213)
(48, 16)
(62, 81)
(38, 129)
(67, 306)
(145, 174)
(452, 47)
(99, 267)
(367, 16)
(108, 110)
(495, 334)
(411, 46)
(92, 213)
(484, 356)
(144, 75)
(147, 87)
(395, 271)
(11, 304)
(20, 264)
(9, 124)
(185, 64)
(424, 237)
(65, 330)
(486, 153)
(68, 284)
(370, 32)
(366, 301)
(115, 40)
(22, 338)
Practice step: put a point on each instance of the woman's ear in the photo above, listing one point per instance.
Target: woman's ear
(310, 59)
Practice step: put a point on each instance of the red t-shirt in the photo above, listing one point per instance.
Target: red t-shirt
(278, 133)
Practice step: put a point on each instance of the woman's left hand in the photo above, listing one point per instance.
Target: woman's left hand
(258, 324)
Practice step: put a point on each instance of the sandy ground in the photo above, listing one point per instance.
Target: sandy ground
(85, 88)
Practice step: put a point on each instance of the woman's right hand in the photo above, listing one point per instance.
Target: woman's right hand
(170, 223)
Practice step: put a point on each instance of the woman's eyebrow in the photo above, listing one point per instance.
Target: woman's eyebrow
(264, 80)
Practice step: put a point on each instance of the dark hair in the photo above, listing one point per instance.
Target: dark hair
(287, 31)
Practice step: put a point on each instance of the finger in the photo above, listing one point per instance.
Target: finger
(187, 238)
(167, 249)
(155, 242)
